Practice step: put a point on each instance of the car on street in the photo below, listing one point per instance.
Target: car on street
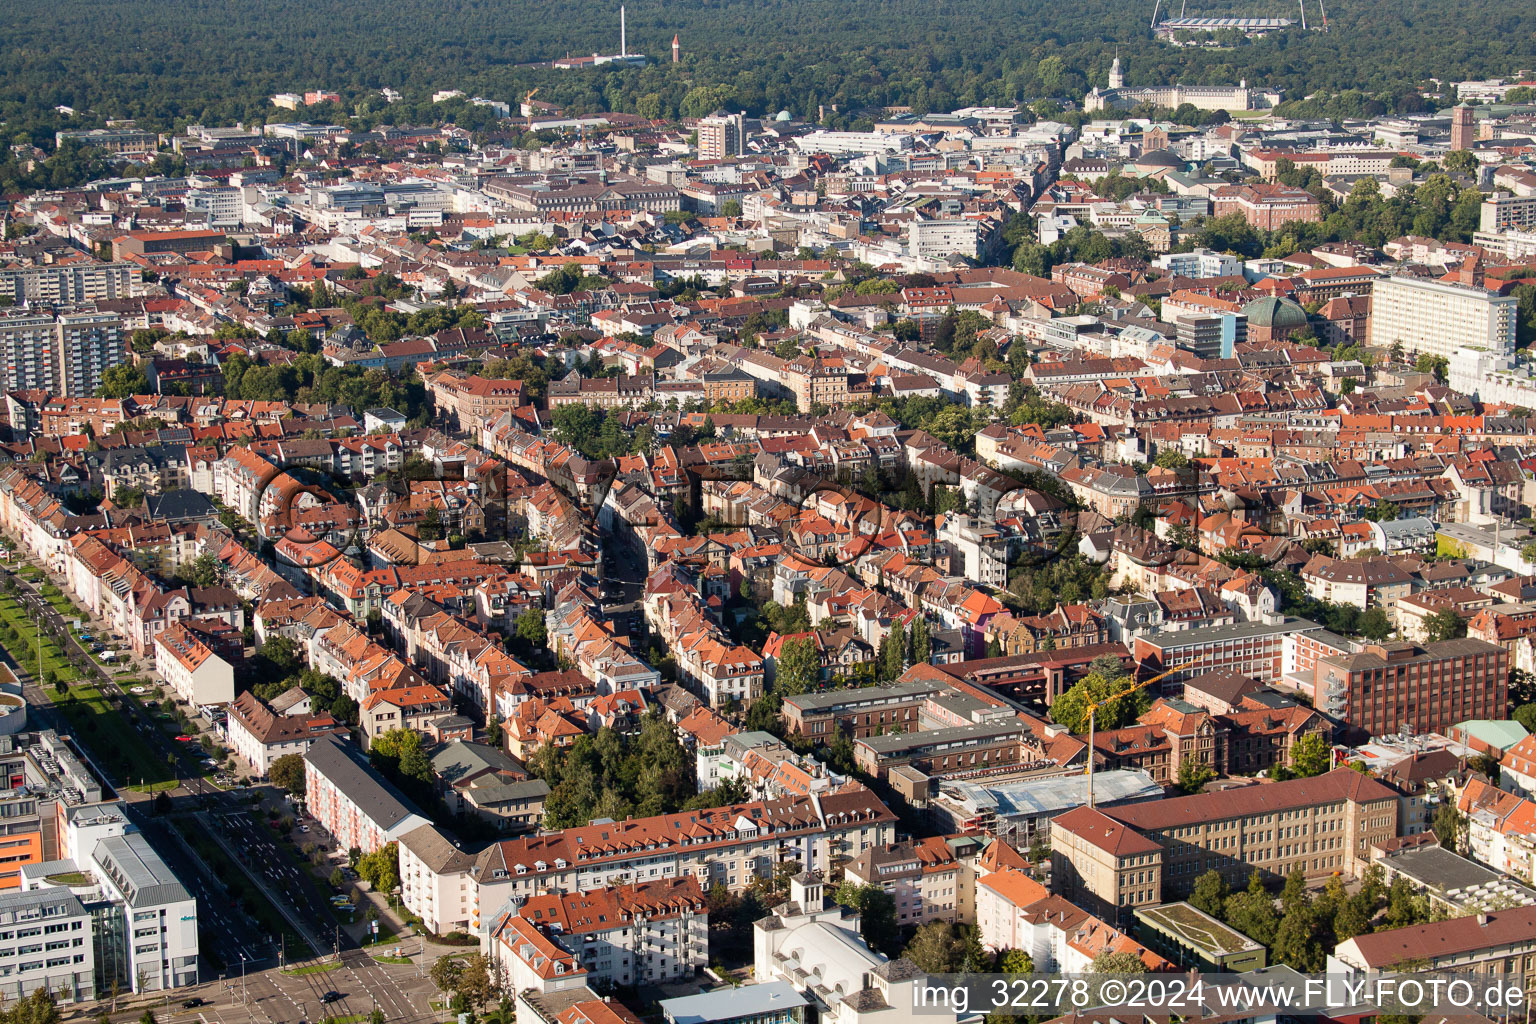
(193, 1003)
(330, 997)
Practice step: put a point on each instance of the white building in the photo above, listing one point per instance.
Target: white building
(434, 880)
(159, 916)
(196, 673)
(650, 933)
(1434, 317)
(820, 952)
(261, 736)
(45, 942)
(937, 239)
(1199, 263)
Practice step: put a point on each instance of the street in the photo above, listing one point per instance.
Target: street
(266, 995)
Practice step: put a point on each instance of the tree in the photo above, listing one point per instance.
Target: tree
(431, 525)
(877, 915)
(1194, 774)
(798, 668)
(476, 984)
(1374, 624)
(936, 949)
(123, 381)
(381, 868)
(337, 879)
(1449, 826)
(1252, 911)
(202, 571)
(287, 773)
(1171, 458)
(1460, 161)
(1444, 624)
(1311, 755)
(1210, 893)
(1487, 764)
(1525, 714)
(893, 654)
(530, 628)
(445, 973)
(1071, 708)
(730, 208)
(1015, 961)
(922, 641)
(1118, 963)
(1298, 940)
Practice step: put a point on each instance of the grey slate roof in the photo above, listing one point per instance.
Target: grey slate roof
(348, 770)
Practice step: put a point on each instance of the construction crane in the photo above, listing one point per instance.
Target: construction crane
(1093, 710)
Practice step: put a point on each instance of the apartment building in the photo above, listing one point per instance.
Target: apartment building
(352, 801)
(86, 282)
(1430, 316)
(1323, 825)
(260, 735)
(193, 670)
(434, 880)
(27, 351)
(650, 933)
(922, 876)
(1268, 206)
(721, 136)
(1384, 688)
(730, 846)
(89, 344)
(1495, 942)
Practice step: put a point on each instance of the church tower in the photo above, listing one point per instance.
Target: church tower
(677, 51)
(1116, 76)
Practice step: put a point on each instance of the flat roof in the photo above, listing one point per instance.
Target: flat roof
(1046, 796)
(730, 1003)
(1197, 929)
(1234, 631)
(902, 740)
(1458, 879)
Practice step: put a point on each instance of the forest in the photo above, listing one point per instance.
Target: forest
(171, 63)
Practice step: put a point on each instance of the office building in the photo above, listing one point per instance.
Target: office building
(1389, 687)
(156, 915)
(1429, 316)
(45, 943)
(1211, 335)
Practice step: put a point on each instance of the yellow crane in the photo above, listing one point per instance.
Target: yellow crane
(1093, 710)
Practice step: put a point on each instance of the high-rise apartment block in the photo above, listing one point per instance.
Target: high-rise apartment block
(722, 136)
(64, 352)
(1437, 317)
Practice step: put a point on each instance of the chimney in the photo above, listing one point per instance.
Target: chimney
(1482, 920)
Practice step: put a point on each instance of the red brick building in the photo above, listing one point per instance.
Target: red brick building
(1384, 688)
